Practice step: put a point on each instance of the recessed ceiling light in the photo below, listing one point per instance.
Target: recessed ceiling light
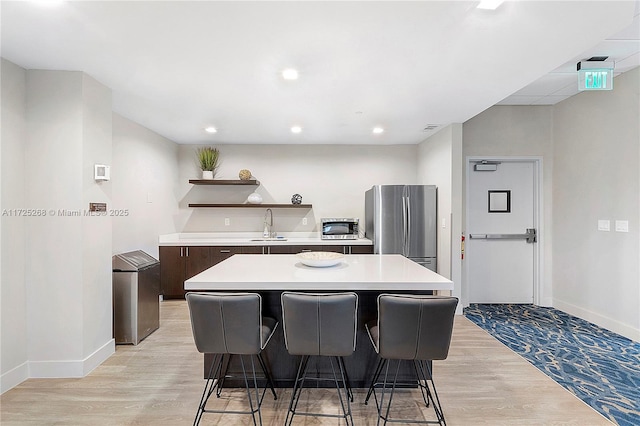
(378, 130)
(296, 129)
(489, 4)
(210, 129)
(290, 74)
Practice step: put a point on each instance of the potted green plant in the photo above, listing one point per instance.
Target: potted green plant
(208, 161)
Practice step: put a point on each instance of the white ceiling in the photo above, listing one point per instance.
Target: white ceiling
(178, 66)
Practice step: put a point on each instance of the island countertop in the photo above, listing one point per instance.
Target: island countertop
(258, 272)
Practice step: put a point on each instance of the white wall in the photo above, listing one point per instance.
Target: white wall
(145, 182)
(331, 177)
(66, 265)
(439, 163)
(434, 168)
(518, 131)
(96, 230)
(596, 176)
(13, 317)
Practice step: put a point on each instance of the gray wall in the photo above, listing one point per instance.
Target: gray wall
(596, 176)
(13, 350)
(144, 178)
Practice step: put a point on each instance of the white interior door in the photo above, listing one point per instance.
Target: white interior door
(501, 208)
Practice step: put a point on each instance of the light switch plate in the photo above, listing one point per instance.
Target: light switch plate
(604, 225)
(622, 226)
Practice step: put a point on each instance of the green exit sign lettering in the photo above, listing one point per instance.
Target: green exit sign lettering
(594, 77)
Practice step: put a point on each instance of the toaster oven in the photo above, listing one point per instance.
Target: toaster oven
(339, 228)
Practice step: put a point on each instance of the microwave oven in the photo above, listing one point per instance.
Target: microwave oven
(339, 228)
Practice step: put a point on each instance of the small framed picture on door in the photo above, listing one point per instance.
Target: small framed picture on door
(499, 201)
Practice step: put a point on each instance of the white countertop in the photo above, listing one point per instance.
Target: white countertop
(252, 239)
(259, 272)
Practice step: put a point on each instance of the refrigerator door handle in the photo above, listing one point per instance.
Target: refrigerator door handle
(407, 238)
(405, 224)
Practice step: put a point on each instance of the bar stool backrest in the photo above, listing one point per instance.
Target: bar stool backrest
(320, 323)
(414, 326)
(228, 323)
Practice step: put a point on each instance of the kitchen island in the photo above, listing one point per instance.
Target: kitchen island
(366, 275)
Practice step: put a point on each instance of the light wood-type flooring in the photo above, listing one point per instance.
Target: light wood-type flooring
(159, 382)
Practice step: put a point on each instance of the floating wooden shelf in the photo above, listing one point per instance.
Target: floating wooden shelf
(223, 182)
(242, 206)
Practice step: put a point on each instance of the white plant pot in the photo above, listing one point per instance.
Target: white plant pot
(207, 174)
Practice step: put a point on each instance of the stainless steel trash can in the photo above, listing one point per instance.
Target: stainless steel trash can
(136, 296)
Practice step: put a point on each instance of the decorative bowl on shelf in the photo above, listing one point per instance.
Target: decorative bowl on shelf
(254, 198)
(320, 259)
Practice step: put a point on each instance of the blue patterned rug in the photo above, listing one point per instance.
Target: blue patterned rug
(598, 366)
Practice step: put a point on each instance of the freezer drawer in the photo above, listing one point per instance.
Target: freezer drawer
(429, 263)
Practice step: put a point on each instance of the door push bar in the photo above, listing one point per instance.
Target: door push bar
(529, 236)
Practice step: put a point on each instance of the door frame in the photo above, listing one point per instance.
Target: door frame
(538, 221)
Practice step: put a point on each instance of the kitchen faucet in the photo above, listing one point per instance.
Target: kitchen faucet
(268, 226)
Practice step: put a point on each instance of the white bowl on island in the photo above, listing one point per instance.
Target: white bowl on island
(320, 259)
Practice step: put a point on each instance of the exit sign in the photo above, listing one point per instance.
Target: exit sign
(595, 75)
(595, 80)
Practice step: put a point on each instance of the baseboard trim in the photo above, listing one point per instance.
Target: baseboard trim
(14, 377)
(67, 369)
(601, 320)
(99, 356)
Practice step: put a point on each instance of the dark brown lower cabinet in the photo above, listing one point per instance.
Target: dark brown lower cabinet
(178, 264)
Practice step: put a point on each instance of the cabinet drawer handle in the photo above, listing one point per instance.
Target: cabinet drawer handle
(187, 251)
(305, 250)
(225, 251)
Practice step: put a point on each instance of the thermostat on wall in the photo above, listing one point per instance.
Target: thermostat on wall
(101, 172)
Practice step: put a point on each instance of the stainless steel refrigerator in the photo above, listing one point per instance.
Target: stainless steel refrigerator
(401, 219)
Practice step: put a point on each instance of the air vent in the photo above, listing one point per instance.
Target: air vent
(430, 127)
(598, 58)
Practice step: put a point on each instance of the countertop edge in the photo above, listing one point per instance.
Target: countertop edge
(248, 242)
(333, 286)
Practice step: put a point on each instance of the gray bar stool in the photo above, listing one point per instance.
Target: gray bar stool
(415, 328)
(231, 324)
(320, 325)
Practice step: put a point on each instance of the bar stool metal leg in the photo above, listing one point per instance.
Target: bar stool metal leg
(210, 385)
(415, 328)
(347, 390)
(228, 324)
(322, 326)
(267, 376)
